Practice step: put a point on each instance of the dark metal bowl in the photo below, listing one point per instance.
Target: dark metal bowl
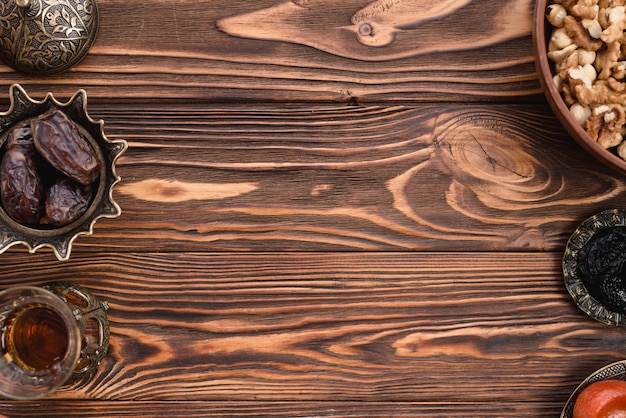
(60, 239)
(580, 291)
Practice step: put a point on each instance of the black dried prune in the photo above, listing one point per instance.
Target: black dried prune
(602, 267)
(21, 187)
(60, 142)
(66, 201)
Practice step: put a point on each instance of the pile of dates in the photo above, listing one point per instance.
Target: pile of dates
(47, 172)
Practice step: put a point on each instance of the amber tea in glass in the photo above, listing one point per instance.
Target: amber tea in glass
(36, 338)
(49, 336)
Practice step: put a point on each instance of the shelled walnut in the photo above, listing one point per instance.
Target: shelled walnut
(588, 49)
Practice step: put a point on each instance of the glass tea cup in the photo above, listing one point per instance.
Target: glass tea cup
(50, 336)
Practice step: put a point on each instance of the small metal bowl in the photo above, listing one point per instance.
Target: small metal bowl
(598, 297)
(44, 37)
(615, 371)
(60, 239)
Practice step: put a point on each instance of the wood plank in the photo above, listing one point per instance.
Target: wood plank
(351, 208)
(324, 177)
(436, 328)
(62, 408)
(191, 50)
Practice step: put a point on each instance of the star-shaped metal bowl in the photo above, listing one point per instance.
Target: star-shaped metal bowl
(609, 284)
(60, 239)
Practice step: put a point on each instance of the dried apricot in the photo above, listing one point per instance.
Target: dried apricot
(604, 399)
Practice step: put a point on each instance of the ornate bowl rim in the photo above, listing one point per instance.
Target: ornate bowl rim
(576, 288)
(60, 239)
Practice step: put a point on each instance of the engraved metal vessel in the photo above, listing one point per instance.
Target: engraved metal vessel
(46, 36)
(60, 239)
(581, 292)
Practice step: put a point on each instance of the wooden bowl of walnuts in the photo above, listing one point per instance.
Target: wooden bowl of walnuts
(580, 53)
(57, 172)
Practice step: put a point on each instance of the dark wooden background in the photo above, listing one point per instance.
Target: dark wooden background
(316, 227)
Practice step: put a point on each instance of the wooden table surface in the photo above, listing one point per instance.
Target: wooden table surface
(317, 224)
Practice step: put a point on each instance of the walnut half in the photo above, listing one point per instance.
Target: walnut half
(605, 124)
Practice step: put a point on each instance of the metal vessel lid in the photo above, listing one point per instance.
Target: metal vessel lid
(46, 36)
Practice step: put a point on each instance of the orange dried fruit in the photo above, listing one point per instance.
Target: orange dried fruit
(604, 399)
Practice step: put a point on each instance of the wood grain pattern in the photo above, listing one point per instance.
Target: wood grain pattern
(61, 409)
(328, 209)
(348, 178)
(444, 331)
(383, 30)
(175, 50)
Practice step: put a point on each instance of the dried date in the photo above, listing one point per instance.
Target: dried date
(60, 142)
(21, 137)
(21, 186)
(47, 171)
(66, 201)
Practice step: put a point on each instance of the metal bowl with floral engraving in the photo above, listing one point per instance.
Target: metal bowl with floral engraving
(46, 36)
(57, 172)
(615, 371)
(594, 266)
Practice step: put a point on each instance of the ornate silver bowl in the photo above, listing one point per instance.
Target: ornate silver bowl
(46, 36)
(60, 239)
(598, 245)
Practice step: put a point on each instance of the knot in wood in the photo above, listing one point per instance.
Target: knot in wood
(366, 29)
